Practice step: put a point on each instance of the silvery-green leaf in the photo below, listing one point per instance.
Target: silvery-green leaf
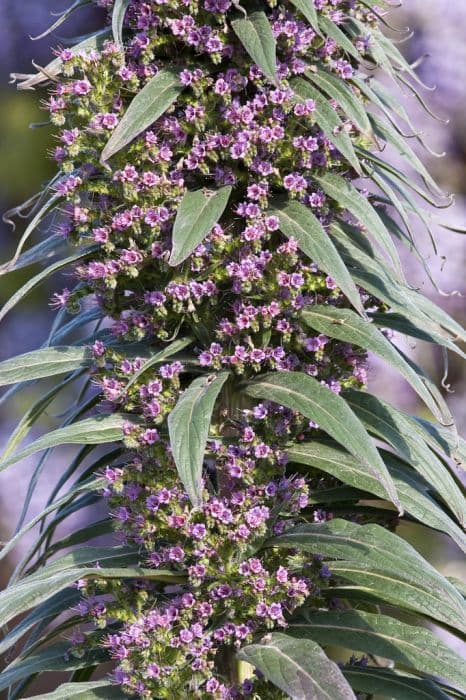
(386, 683)
(46, 362)
(118, 17)
(255, 34)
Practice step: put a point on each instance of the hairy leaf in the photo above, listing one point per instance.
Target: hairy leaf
(46, 362)
(149, 104)
(299, 668)
(188, 427)
(337, 90)
(92, 690)
(386, 683)
(255, 34)
(302, 393)
(308, 10)
(197, 214)
(118, 17)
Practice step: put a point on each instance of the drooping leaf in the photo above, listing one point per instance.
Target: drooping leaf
(92, 690)
(389, 424)
(337, 90)
(380, 635)
(149, 104)
(46, 362)
(305, 394)
(328, 120)
(297, 221)
(39, 253)
(349, 198)
(91, 431)
(63, 16)
(413, 491)
(298, 667)
(188, 427)
(255, 34)
(345, 325)
(197, 214)
(388, 684)
(32, 283)
(118, 17)
(308, 10)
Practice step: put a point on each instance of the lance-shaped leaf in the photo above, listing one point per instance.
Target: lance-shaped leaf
(306, 395)
(255, 34)
(390, 425)
(387, 683)
(92, 690)
(197, 214)
(149, 104)
(55, 67)
(298, 667)
(349, 198)
(308, 10)
(48, 248)
(402, 590)
(91, 431)
(297, 221)
(160, 357)
(188, 427)
(374, 549)
(32, 283)
(380, 635)
(118, 17)
(63, 16)
(46, 362)
(337, 90)
(412, 490)
(331, 29)
(345, 325)
(328, 120)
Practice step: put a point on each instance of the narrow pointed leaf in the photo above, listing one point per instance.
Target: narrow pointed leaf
(413, 491)
(91, 431)
(46, 362)
(298, 667)
(349, 198)
(92, 690)
(62, 18)
(305, 394)
(118, 17)
(308, 10)
(255, 34)
(345, 325)
(188, 427)
(197, 214)
(330, 29)
(328, 120)
(298, 222)
(149, 104)
(160, 357)
(380, 635)
(388, 684)
(48, 248)
(337, 90)
(389, 424)
(31, 284)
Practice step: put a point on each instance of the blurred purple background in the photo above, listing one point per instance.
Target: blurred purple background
(439, 27)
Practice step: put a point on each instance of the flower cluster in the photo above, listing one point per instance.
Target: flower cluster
(239, 297)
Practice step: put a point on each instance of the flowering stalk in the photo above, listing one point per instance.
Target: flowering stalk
(208, 172)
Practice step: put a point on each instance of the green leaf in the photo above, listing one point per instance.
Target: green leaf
(413, 491)
(56, 657)
(91, 431)
(328, 120)
(386, 683)
(349, 198)
(339, 91)
(330, 29)
(255, 34)
(299, 668)
(197, 214)
(63, 16)
(308, 10)
(46, 362)
(48, 248)
(91, 43)
(345, 325)
(297, 221)
(305, 394)
(188, 427)
(389, 424)
(31, 284)
(118, 17)
(92, 690)
(159, 357)
(380, 635)
(149, 104)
